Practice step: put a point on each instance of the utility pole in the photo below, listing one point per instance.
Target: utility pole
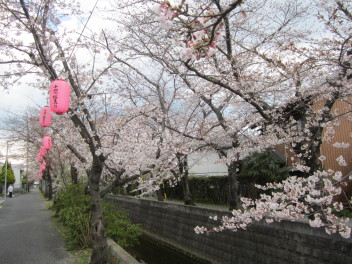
(27, 185)
(7, 150)
(105, 103)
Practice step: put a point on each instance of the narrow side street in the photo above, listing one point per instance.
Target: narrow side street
(27, 234)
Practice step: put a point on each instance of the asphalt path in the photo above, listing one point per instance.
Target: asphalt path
(27, 234)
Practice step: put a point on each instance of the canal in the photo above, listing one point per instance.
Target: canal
(151, 252)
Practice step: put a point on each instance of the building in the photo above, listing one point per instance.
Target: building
(206, 163)
(336, 147)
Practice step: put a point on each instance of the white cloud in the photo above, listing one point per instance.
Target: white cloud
(14, 149)
(19, 98)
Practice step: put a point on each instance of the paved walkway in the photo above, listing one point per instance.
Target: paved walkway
(27, 235)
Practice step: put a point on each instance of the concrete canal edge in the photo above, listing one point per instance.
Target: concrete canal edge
(183, 250)
(278, 242)
(122, 255)
(125, 258)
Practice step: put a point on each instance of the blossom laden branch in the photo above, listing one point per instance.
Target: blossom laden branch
(200, 31)
(293, 199)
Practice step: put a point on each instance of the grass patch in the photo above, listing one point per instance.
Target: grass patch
(82, 256)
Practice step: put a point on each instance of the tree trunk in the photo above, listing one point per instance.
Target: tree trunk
(45, 188)
(50, 187)
(74, 174)
(48, 192)
(159, 194)
(100, 246)
(234, 201)
(183, 170)
(252, 192)
(186, 193)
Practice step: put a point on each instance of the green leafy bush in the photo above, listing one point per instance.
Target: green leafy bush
(261, 168)
(24, 179)
(73, 207)
(119, 227)
(10, 176)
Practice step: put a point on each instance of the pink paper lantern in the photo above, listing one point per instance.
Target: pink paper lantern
(45, 116)
(43, 165)
(40, 157)
(47, 142)
(59, 96)
(42, 151)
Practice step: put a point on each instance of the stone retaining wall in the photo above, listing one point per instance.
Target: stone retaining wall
(280, 243)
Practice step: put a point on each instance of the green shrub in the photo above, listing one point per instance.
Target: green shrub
(10, 176)
(261, 168)
(119, 227)
(346, 213)
(73, 207)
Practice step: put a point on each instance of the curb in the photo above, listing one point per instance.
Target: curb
(120, 253)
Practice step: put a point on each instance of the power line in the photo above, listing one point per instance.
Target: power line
(85, 25)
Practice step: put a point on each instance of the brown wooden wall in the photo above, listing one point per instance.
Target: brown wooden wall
(342, 132)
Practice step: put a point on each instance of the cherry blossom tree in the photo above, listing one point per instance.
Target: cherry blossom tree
(158, 96)
(119, 147)
(285, 77)
(23, 128)
(154, 108)
(200, 124)
(36, 42)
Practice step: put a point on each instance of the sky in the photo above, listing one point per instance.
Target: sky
(19, 97)
(17, 100)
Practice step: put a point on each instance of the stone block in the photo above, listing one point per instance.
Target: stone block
(316, 253)
(326, 256)
(311, 241)
(302, 260)
(307, 250)
(281, 233)
(323, 243)
(297, 237)
(280, 253)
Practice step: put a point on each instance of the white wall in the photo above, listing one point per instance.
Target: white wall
(16, 170)
(206, 163)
